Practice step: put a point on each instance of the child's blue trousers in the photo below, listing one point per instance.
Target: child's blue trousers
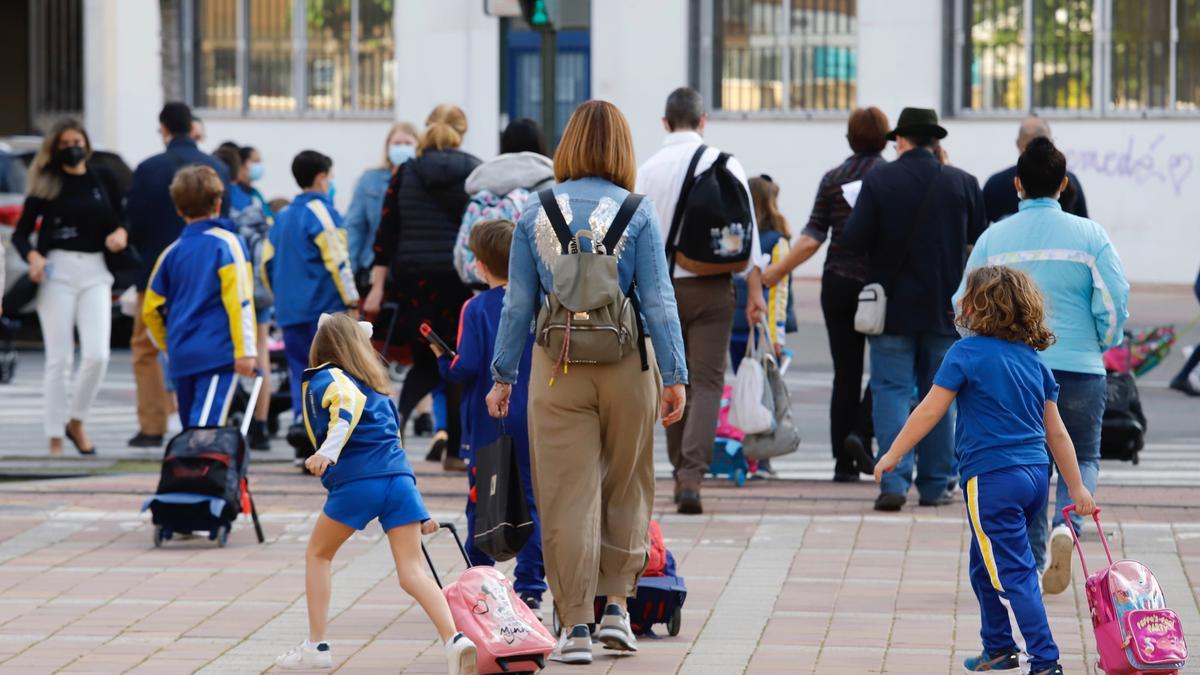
(204, 398)
(297, 340)
(1000, 505)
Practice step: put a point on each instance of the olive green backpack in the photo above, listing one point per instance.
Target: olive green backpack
(586, 317)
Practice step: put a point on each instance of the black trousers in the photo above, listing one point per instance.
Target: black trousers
(422, 378)
(850, 405)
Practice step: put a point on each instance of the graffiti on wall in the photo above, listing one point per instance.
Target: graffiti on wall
(1141, 163)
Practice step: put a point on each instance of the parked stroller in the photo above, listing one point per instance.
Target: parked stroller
(203, 485)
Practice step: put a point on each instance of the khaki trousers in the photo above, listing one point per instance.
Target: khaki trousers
(706, 306)
(153, 403)
(592, 446)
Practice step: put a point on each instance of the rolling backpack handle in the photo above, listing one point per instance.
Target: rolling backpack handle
(1067, 511)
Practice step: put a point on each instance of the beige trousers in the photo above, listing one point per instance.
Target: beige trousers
(154, 404)
(592, 446)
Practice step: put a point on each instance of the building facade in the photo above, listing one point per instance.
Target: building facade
(1119, 81)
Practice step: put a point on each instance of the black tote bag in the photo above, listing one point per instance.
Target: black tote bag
(502, 520)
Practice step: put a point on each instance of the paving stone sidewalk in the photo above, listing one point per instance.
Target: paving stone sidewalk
(784, 577)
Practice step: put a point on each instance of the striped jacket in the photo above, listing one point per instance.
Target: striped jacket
(353, 425)
(199, 305)
(1077, 269)
(306, 262)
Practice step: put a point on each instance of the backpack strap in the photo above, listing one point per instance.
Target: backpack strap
(617, 229)
(550, 205)
(689, 179)
(641, 328)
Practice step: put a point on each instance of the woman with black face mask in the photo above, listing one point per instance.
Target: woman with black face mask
(79, 208)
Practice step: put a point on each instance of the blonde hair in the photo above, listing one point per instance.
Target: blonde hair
(1005, 303)
(197, 191)
(405, 127)
(444, 128)
(765, 194)
(597, 143)
(340, 341)
(45, 179)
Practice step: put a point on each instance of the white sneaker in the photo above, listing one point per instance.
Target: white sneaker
(574, 646)
(1057, 576)
(174, 425)
(460, 655)
(614, 631)
(306, 656)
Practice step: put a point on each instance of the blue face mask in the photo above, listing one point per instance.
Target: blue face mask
(256, 172)
(399, 154)
(332, 190)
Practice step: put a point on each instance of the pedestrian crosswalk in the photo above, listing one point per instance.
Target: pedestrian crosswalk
(1171, 461)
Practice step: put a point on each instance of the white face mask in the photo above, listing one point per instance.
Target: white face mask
(400, 153)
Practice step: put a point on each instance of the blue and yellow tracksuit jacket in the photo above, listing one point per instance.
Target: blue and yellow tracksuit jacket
(353, 425)
(199, 305)
(306, 262)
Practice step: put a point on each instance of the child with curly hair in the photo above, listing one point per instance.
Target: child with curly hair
(1007, 415)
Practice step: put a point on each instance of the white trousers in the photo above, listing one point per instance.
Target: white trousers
(76, 293)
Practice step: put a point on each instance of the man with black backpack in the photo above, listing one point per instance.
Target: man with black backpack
(703, 202)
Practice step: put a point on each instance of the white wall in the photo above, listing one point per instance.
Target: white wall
(122, 76)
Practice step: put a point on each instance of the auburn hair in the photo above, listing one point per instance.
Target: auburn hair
(341, 342)
(197, 191)
(491, 241)
(1005, 303)
(867, 130)
(765, 194)
(596, 143)
(444, 128)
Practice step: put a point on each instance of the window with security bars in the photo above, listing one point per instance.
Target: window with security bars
(1086, 56)
(778, 55)
(289, 56)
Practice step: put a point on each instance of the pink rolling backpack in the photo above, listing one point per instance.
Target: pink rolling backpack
(1135, 631)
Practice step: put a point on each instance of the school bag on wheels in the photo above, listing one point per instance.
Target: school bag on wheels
(502, 520)
(711, 229)
(508, 636)
(1136, 634)
(202, 486)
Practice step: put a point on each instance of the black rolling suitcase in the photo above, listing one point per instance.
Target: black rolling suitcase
(203, 485)
(1123, 429)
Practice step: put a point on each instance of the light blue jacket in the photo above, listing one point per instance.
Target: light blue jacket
(1077, 269)
(592, 203)
(362, 218)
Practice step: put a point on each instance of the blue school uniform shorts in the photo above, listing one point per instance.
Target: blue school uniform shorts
(394, 500)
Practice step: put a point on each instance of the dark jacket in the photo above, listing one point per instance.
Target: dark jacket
(1000, 196)
(153, 222)
(422, 211)
(920, 277)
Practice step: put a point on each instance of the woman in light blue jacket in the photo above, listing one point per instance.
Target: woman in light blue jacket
(1087, 295)
(362, 218)
(591, 427)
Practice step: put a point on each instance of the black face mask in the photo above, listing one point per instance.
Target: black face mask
(70, 156)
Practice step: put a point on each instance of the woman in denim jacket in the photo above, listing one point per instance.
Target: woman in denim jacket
(592, 428)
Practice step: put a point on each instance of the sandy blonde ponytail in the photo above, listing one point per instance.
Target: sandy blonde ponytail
(444, 128)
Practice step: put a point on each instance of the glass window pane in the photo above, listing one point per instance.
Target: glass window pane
(270, 68)
(215, 59)
(1187, 59)
(824, 62)
(1062, 54)
(376, 55)
(749, 58)
(1141, 39)
(327, 64)
(994, 75)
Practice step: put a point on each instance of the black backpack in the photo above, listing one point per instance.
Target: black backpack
(1123, 428)
(711, 228)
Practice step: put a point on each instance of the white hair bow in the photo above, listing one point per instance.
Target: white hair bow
(365, 326)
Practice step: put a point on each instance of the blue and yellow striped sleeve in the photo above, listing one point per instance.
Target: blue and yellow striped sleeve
(345, 404)
(237, 292)
(777, 297)
(335, 253)
(154, 306)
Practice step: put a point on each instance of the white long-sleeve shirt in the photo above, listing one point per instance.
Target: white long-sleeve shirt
(661, 179)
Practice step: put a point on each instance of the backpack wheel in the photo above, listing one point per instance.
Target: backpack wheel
(222, 536)
(158, 536)
(675, 621)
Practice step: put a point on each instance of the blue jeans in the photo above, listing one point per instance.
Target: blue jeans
(901, 364)
(1081, 403)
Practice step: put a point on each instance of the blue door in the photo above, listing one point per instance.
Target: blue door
(523, 67)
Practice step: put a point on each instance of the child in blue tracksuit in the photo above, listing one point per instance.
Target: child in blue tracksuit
(306, 264)
(351, 420)
(199, 306)
(490, 242)
(1007, 415)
